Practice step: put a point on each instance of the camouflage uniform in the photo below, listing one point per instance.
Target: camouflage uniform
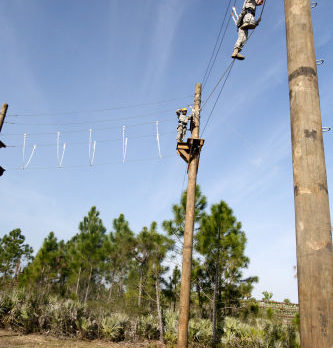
(246, 16)
(182, 125)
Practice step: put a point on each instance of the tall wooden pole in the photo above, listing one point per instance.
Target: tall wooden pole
(313, 224)
(185, 290)
(3, 115)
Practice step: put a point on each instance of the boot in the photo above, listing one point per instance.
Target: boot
(237, 55)
(248, 25)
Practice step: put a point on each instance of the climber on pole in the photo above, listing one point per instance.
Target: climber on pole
(245, 21)
(182, 124)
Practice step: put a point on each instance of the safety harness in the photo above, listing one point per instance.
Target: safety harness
(250, 10)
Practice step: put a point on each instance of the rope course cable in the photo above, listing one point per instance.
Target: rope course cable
(94, 121)
(217, 48)
(100, 141)
(78, 166)
(42, 114)
(218, 97)
(84, 130)
(217, 84)
(92, 144)
(227, 74)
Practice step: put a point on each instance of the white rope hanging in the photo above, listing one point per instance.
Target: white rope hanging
(92, 148)
(234, 15)
(60, 158)
(125, 140)
(24, 163)
(158, 140)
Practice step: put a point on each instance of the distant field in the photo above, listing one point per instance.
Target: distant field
(9, 339)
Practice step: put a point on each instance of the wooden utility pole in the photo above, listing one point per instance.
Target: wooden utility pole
(313, 224)
(193, 161)
(2, 120)
(3, 115)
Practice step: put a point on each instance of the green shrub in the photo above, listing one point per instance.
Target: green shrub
(19, 312)
(200, 331)
(64, 317)
(30, 312)
(88, 328)
(171, 327)
(238, 334)
(148, 328)
(114, 327)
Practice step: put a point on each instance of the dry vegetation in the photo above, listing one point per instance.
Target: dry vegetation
(9, 339)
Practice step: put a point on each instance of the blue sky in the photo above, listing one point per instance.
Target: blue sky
(63, 60)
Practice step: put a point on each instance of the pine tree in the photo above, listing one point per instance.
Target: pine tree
(173, 287)
(13, 253)
(175, 226)
(143, 251)
(222, 243)
(43, 270)
(118, 251)
(161, 246)
(89, 243)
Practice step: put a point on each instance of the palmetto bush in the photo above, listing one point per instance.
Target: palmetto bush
(30, 312)
(238, 334)
(171, 326)
(147, 327)
(6, 304)
(200, 331)
(63, 317)
(259, 333)
(114, 327)
(19, 311)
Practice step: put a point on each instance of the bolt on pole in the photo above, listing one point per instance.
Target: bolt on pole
(185, 290)
(313, 223)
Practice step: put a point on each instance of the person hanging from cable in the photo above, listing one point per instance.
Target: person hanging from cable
(245, 21)
(182, 124)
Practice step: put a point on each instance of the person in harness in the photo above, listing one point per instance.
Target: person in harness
(182, 124)
(246, 20)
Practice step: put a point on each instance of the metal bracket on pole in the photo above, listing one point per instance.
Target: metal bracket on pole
(192, 148)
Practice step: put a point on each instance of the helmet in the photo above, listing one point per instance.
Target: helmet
(184, 109)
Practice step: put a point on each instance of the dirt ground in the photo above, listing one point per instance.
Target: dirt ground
(9, 339)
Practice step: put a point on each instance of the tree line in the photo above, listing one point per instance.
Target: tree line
(138, 272)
